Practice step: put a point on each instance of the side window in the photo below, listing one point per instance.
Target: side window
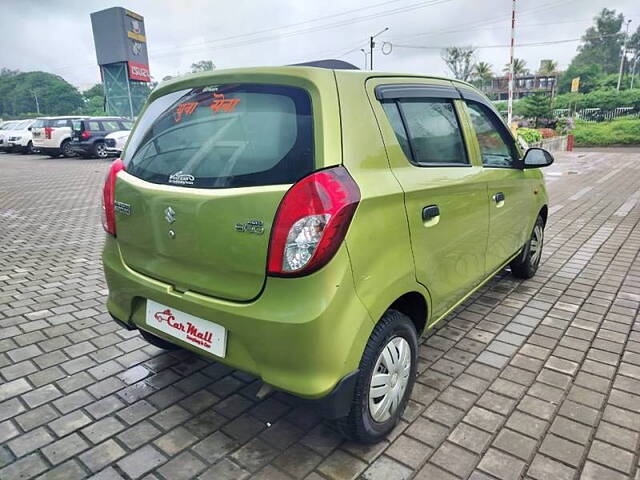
(393, 114)
(110, 126)
(496, 145)
(60, 123)
(94, 126)
(126, 125)
(428, 130)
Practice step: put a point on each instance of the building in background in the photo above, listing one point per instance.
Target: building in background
(121, 49)
(525, 84)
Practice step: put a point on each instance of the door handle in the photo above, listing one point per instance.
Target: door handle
(430, 212)
(498, 197)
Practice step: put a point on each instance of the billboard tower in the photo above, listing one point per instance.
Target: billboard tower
(121, 49)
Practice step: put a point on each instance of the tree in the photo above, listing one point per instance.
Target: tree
(536, 107)
(459, 61)
(482, 72)
(18, 93)
(519, 67)
(202, 66)
(590, 76)
(549, 67)
(602, 42)
(93, 100)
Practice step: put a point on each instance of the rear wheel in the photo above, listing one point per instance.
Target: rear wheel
(526, 264)
(100, 150)
(66, 150)
(387, 375)
(158, 342)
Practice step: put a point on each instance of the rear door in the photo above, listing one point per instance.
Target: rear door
(445, 195)
(206, 169)
(508, 192)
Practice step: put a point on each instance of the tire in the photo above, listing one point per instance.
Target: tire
(526, 264)
(29, 149)
(368, 421)
(65, 149)
(158, 342)
(100, 150)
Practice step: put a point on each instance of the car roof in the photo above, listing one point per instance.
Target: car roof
(60, 117)
(308, 70)
(105, 118)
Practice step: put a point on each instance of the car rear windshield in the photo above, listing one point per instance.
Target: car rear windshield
(224, 136)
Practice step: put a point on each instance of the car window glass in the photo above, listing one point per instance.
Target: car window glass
(94, 126)
(391, 109)
(496, 145)
(38, 123)
(111, 125)
(433, 131)
(126, 125)
(59, 123)
(224, 136)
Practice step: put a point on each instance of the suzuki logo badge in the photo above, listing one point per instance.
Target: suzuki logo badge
(170, 215)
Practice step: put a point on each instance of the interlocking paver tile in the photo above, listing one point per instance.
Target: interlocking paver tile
(539, 378)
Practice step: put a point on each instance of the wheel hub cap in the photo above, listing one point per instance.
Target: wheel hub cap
(389, 379)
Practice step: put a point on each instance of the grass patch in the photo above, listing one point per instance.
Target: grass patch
(623, 131)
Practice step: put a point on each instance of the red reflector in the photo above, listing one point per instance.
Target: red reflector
(312, 221)
(108, 193)
(47, 132)
(85, 135)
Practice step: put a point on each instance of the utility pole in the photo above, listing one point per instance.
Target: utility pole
(624, 53)
(513, 35)
(373, 44)
(365, 57)
(35, 95)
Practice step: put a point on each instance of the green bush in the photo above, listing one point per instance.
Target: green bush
(623, 131)
(606, 99)
(530, 135)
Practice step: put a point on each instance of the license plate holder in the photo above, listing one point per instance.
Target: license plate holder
(198, 332)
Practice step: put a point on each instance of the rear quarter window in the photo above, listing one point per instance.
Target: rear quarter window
(223, 136)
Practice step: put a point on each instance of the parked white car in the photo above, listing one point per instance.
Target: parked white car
(5, 128)
(52, 135)
(19, 138)
(115, 141)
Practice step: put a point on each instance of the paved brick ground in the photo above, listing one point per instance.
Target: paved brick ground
(536, 379)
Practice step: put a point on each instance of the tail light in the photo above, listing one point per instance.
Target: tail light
(108, 192)
(47, 132)
(85, 134)
(311, 222)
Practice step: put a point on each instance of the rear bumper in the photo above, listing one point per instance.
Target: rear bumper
(302, 335)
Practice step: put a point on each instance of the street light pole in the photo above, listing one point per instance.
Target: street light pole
(513, 31)
(365, 57)
(633, 70)
(624, 53)
(373, 44)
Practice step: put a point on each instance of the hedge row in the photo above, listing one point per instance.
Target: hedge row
(623, 131)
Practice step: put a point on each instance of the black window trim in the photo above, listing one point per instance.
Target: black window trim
(393, 93)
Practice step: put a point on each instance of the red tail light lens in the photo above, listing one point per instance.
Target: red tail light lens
(311, 222)
(108, 192)
(84, 135)
(47, 132)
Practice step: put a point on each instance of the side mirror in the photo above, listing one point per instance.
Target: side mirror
(537, 158)
(29, 128)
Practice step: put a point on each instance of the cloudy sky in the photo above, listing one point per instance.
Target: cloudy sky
(56, 36)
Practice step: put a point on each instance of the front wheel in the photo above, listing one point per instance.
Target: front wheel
(29, 148)
(100, 150)
(526, 264)
(386, 378)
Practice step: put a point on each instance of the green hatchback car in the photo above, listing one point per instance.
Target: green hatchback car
(307, 224)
